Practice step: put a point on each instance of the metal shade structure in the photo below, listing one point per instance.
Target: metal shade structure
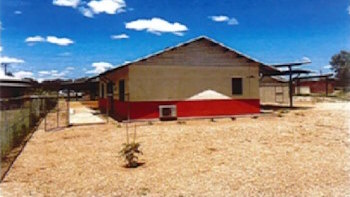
(290, 72)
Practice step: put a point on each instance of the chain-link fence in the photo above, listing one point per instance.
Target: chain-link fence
(57, 117)
(18, 117)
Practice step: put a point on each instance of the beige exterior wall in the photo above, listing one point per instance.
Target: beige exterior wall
(274, 94)
(273, 91)
(161, 83)
(185, 71)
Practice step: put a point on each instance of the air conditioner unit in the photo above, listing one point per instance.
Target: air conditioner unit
(167, 112)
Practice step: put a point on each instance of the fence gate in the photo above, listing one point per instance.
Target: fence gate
(57, 114)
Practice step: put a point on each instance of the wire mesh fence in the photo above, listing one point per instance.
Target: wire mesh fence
(18, 117)
(58, 116)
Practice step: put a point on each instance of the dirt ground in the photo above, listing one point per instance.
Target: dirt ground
(304, 152)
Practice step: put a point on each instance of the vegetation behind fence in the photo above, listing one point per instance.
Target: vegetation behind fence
(18, 117)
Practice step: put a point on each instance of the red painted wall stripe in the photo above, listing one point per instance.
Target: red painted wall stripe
(150, 109)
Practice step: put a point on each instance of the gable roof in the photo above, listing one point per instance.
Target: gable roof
(262, 65)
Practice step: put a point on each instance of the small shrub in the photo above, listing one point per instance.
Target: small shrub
(255, 117)
(285, 111)
(181, 122)
(299, 114)
(130, 152)
(143, 191)
(233, 118)
(150, 123)
(212, 120)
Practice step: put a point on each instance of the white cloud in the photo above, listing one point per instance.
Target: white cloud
(49, 39)
(65, 54)
(18, 12)
(86, 12)
(99, 67)
(10, 60)
(107, 6)
(157, 26)
(232, 21)
(35, 39)
(44, 72)
(222, 18)
(1, 48)
(70, 68)
(305, 59)
(327, 66)
(59, 41)
(66, 3)
(219, 18)
(23, 74)
(92, 7)
(120, 36)
(54, 74)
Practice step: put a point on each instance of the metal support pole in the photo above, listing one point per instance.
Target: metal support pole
(107, 108)
(68, 112)
(58, 108)
(128, 107)
(45, 113)
(290, 87)
(326, 86)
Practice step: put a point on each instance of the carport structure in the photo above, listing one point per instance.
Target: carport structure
(289, 72)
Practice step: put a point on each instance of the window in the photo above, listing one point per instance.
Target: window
(237, 86)
(110, 88)
(121, 90)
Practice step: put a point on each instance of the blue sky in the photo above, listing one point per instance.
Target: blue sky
(74, 38)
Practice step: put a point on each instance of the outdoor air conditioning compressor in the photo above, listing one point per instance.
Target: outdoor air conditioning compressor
(167, 112)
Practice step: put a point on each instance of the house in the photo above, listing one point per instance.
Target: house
(274, 90)
(198, 78)
(314, 86)
(11, 87)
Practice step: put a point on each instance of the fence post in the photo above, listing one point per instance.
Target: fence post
(58, 108)
(68, 112)
(45, 114)
(7, 130)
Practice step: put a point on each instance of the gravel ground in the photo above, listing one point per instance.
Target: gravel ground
(304, 152)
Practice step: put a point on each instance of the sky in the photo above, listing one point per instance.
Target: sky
(47, 39)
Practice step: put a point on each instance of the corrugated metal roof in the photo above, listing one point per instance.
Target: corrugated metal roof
(188, 42)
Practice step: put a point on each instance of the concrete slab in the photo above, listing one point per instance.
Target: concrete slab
(79, 114)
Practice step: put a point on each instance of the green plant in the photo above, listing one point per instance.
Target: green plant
(143, 191)
(129, 152)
